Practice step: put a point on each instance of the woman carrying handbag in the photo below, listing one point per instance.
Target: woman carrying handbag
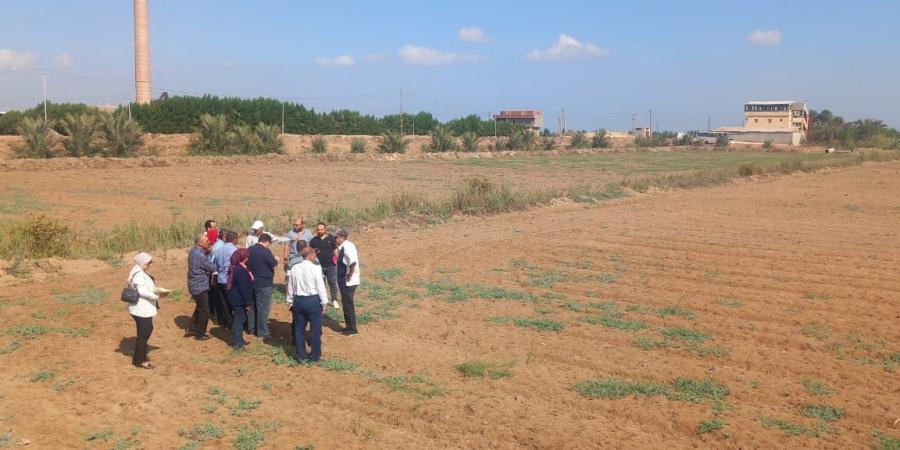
(144, 309)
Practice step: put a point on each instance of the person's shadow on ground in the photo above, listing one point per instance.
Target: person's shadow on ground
(126, 347)
(216, 331)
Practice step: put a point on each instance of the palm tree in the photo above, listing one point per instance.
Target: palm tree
(470, 142)
(392, 142)
(269, 141)
(579, 140)
(81, 129)
(212, 134)
(245, 139)
(122, 134)
(39, 138)
(442, 140)
(600, 139)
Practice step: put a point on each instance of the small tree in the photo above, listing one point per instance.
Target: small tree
(470, 142)
(122, 135)
(579, 140)
(39, 138)
(319, 145)
(81, 129)
(529, 138)
(549, 143)
(212, 134)
(722, 140)
(442, 140)
(600, 139)
(392, 142)
(245, 139)
(357, 145)
(268, 135)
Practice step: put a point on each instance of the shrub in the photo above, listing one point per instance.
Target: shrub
(722, 141)
(442, 140)
(41, 237)
(768, 144)
(81, 129)
(600, 139)
(470, 142)
(39, 138)
(319, 145)
(245, 139)
(268, 138)
(549, 143)
(357, 145)
(212, 134)
(579, 140)
(393, 142)
(122, 134)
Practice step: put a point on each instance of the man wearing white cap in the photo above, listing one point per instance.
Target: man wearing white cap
(257, 229)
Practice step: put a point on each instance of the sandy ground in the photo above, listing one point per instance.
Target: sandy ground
(794, 277)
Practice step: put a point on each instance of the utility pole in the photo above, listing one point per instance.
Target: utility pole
(401, 112)
(708, 121)
(633, 116)
(282, 117)
(650, 123)
(44, 77)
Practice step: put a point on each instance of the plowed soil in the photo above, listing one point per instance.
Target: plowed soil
(788, 279)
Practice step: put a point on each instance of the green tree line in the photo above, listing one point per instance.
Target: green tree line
(831, 130)
(182, 115)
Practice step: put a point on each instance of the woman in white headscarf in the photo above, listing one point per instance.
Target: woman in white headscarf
(145, 309)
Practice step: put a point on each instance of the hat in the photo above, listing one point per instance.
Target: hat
(342, 233)
(257, 225)
(142, 259)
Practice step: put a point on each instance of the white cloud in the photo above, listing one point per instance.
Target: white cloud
(13, 60)
(342, 60)
(424, 56)
(768, 38)
(376, 57)
(64, 61)
(566, 48)
(473, 35)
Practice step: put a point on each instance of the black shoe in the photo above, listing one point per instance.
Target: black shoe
(190, 334)
(205, 337)
(349, 332)
(268, 341)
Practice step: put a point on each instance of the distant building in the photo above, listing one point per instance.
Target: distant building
(778, 114)
(529, 119)
(643, 133)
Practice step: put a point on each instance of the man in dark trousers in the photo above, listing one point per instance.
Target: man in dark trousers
(199, 272)
(348, 279)
(325, 245)
(262, 265)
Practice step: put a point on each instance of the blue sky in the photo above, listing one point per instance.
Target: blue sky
(600, 61)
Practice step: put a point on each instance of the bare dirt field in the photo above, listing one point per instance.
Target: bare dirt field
(126, 190)
(761, 314)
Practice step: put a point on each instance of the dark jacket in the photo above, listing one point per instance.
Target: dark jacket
(262, 264)
(241, 292)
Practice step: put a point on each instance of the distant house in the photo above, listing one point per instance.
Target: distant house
(779, 122)
(529, 119)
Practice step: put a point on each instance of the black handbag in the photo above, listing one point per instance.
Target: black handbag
(130, 295)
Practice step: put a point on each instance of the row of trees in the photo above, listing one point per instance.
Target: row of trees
(216, 135)
(830, 130)
(86, 133)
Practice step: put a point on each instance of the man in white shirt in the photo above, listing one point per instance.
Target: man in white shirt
(348, 279)
(258, 229)
(309, 299)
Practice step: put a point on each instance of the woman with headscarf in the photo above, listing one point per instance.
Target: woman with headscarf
(145, 309)
(240, 293)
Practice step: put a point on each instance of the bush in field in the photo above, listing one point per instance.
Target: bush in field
(42, 237)
(245, 139)
(768, 144)
(319, 145)
(521, 140)
(39, 138)
(212, 134)
(470, 142)
(122, 135)
(722, 141)
(549, 143)
(81, 130)
(579, 140)
(657, 140)
(600, 139)
(268, 138)
(442, 140)
(392, 142)
(529, 139)
(357, 145)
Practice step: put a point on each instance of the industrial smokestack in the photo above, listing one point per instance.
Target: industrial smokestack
(142, 90)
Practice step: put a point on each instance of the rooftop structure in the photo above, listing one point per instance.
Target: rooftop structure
(529, 119)
(777, 115)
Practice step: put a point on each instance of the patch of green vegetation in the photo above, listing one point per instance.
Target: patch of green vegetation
(809, 295)
(388, 275)
(126, 444)
(708, 426)
(815, 387)
(546, 280)
(647, 343)
(415, 383)
(99, 436)
(382, 311)
(612, 321)
(338, 365)
(10, 347)
(175, 295)
(521, 263)
(249, 439)
(715, 350)
(826, 413)
(606, 307)
(886, 442)
(6, 440)
(788, 428)
(542, 324)
(243, 405)
(16, 201)
(218, 395)
(202, 432)
(42, 376)
(87, 295)
(609, 278)
(816, 330)
(676, 311)
(694, 391)
(615, 388)
(481, 369)
(61, 387)
(28, 331)
(685, 335)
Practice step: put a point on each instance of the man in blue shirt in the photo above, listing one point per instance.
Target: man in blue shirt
(221, 257)
(262, 265)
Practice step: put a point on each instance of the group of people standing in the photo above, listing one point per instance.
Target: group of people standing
(233, 286)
